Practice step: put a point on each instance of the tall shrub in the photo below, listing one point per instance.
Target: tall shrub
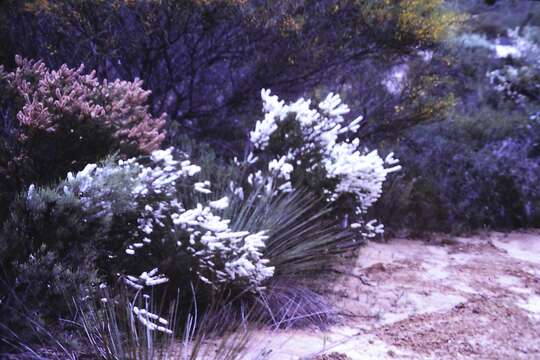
(298, 146)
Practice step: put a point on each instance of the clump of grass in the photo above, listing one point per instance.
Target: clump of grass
(301, 233)
(113, 332)
(25, 335)
(290, 304)
(302, 240)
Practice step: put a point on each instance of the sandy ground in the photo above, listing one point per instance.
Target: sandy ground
(455, 298)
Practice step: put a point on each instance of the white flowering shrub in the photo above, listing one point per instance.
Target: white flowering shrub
(145, 196)
(146, 193)
(298, 146)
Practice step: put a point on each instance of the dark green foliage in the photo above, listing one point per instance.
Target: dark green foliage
(47, 259)
(52, 252)
(47, 249)
(466, 173)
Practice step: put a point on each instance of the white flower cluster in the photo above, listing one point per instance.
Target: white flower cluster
(507, 81)
(223, 256)
(212, 242)
(519, 43)
(151, 321)
(526, 43)
(151, 278)
(519, 80)
(325, 134)
(358, 173)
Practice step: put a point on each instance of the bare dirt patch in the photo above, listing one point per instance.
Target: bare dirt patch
(465, 298)
(478, 329)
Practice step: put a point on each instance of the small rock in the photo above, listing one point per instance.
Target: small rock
(332, 356)
(378, 267)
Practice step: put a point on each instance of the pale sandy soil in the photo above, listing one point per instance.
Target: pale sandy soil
(457, 298)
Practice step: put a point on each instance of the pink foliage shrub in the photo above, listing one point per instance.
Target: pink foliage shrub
(129, 117)
(66, 118)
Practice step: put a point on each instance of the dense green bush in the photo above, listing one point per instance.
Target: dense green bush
(466, 173)
(53, 249)
(47, 260)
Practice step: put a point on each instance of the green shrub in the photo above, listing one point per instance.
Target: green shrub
(469, 172)
(47, 259)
